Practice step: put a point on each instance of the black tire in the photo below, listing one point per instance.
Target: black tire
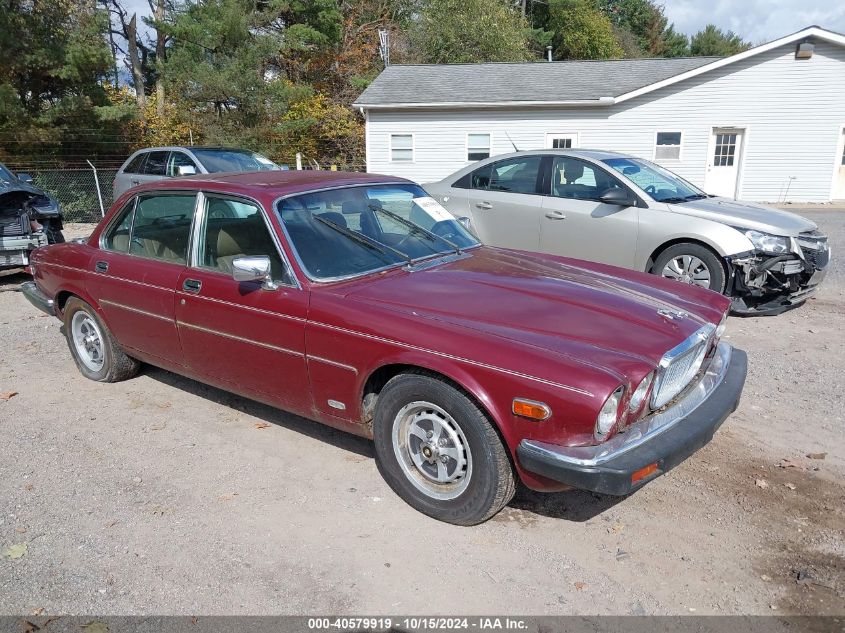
(116, 365)
(709, 258)
(488, 484)
(54, 235)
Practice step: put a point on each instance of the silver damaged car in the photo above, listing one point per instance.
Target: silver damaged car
(617, 209)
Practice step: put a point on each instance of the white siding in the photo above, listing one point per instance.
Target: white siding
(792, 112)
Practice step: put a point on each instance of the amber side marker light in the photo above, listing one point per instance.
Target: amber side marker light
(531, 409)
(642, 473)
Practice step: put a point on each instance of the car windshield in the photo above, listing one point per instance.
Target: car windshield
(220, 160)
(340, 233)
(661, 184)
(6, 175)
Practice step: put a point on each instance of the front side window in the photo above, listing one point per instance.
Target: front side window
(401, 148)
(667, 146)
(578, 179)
(156, 164)
(659, 183)
(161, 227)
(235, 228)
(356, 230)
(478, 146)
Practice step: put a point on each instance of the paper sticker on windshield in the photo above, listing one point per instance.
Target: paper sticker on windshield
(433, 208)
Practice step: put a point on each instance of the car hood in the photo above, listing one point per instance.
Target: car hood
(746, 215)
(593, 313)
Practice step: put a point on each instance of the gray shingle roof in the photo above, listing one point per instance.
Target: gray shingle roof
(528, 82)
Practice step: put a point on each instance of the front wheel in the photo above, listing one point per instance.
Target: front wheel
(439, 452)
(692, 264)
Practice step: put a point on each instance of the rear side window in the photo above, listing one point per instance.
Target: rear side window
(161, 227)
(118, 236)
(156, 163)
(136, 164)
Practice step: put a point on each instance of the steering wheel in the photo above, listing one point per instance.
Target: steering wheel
(651, 189)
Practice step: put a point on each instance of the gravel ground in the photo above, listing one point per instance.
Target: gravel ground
(163, 496)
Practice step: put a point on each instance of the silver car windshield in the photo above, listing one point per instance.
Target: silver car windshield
(347, 232)
(225, 160)
(661, 184)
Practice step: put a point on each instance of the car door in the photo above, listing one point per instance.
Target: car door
(134, 274)
(242, 335)
(505, 203)
(127, 174)
(576, 223)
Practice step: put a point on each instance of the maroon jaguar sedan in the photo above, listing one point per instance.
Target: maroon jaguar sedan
(357, 301)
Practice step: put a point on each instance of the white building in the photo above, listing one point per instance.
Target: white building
(767, 124)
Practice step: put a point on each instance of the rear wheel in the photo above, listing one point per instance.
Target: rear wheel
(96, 353)
(439, 452)
(692, 264)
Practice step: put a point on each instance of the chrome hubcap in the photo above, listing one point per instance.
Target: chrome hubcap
(432, 450)
(87, 340)
(687, 269)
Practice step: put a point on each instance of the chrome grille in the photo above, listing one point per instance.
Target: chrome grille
(680, 365)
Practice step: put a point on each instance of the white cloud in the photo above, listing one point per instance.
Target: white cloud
(756, 21)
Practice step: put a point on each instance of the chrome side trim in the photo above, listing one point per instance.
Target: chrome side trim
(132, 281)
(646, 429)
(234, 337)
(334, 363)
(241, 306)
(509, 372)
(122, 306)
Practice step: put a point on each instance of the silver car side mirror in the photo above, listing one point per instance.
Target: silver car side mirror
(256, 268)
(186, 170)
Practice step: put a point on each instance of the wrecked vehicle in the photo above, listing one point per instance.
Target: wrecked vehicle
(29, 218)
(616, 209)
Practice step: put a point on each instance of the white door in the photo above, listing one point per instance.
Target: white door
(723, 162)
(839, 175)
(565, 140)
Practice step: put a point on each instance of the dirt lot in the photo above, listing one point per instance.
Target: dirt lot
(161, 495)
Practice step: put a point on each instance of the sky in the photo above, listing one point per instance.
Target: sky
(756, 21)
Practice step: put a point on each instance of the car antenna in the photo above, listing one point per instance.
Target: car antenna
(515, 148)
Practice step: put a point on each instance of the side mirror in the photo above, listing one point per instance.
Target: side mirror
(255, 268)
(25, 178)
(618, 197)
(186, 170)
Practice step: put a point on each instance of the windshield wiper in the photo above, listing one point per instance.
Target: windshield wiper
(416, 227)
(696, 196)
(363, 239)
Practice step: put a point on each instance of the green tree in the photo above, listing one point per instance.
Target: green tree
(460, 31)
(581, 31)
(713, 41)
(646, 21)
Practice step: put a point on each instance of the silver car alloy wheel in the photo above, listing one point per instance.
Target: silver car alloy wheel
(88, 340)
(687, 269)
(432, 450)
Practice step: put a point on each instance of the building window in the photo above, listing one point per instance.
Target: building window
(478, 146)
(401, 148)
(668, 146)
(725, 150)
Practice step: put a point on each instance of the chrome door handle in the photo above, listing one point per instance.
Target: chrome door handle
(556, 215)
(192, 285)
(101, 267)
(484, 205)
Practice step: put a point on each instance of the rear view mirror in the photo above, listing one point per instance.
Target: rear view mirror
(618, 197)
(25, 178)
(187, 170)
(256, 268)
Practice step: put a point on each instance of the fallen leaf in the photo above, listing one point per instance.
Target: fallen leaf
(228, 497)
(15, 551)
(261, 425)
(28, 487)
(617, 527)
(30, 627)
(816, 455)
(20, 530)
(158, 511)
(790, 486)
(38, 611)
(111, 523)
(788, 463)
(95, 626)
(8, 395)
(761, 483)
(580, 585)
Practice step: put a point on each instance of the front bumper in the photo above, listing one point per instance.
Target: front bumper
(665, 438)
(38, 298)
(14, 251)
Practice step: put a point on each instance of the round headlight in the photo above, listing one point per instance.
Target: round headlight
(640, 393)
(609, 413)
